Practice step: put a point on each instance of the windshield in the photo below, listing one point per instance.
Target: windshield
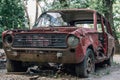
(50, 19)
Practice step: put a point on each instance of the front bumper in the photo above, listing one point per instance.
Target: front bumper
(42, 55)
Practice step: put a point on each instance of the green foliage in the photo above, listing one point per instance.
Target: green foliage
(1, 30)
(92, 4)
(58, 4)
(11, 14)
(116, 13)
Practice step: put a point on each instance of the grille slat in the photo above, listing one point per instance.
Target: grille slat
(40, 41)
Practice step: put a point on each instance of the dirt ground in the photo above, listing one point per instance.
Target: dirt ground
(102, 73)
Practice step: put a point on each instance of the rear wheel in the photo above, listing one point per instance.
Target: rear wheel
(87, 66)
(15, 66)
(109, 61)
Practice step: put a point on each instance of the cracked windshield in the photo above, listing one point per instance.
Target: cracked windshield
(50, 19)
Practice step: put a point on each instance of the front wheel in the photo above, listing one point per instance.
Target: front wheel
(15, 66)
(87, 66)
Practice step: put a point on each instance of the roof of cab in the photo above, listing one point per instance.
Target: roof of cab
(75, 14)
(73, 10)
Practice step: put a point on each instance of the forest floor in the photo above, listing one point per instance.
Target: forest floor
(102, 73)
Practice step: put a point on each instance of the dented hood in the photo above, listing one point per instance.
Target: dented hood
(47, 30)
(69, 30)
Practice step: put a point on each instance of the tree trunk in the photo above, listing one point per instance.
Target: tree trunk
(36, 16)
(108, 6)
(27, 15)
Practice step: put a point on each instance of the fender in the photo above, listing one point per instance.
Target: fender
(85, 43)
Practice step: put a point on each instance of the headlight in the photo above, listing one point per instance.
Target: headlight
(72, 41)
(8, 39)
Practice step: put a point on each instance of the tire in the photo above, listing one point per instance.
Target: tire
(109, 61)
(15, 66)
(87, 66)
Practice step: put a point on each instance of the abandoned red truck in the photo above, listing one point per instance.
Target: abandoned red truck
(75, 38)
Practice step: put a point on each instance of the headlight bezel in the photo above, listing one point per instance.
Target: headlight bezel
(8, 39)
(72, 40)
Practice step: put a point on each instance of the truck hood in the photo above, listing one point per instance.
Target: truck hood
(56, 29)
(45, 30)
(68, 30)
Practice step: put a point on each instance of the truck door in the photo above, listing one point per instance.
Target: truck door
(110, 39)
(102, 36)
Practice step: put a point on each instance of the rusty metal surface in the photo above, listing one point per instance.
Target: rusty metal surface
(39, 56)
(89, 38)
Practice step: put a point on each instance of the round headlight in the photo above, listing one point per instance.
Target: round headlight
(8, 39)
(73, 41)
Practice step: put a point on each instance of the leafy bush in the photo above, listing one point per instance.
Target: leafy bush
(12, 16)
(1, 30)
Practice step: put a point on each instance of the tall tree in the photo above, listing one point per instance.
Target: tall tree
(108, 12)
(116, 13)
(36, 16)
(24, 2)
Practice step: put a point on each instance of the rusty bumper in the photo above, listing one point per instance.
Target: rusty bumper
(32, 55)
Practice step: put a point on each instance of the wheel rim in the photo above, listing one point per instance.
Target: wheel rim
(90, 65)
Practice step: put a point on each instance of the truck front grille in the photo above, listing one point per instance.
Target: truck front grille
(40, 40)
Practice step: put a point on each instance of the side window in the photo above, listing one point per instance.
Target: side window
(100, 24)
(84, 24)
(99, 27)
(105, 25)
